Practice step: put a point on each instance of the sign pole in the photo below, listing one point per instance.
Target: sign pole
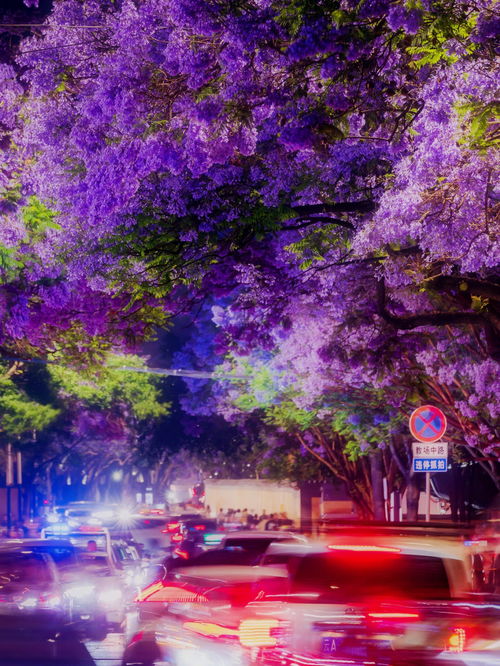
(9, 482)
(19, 478)
(427, 497)
(430, 454)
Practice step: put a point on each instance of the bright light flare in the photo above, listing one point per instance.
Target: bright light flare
(258, 632)
(110, 596)
(393, 616)
(125, 516)
(28, 603)
(103, 514)
(364, 548)
(80, 591)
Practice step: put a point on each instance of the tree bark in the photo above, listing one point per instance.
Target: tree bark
(412, 498)
(376, 475)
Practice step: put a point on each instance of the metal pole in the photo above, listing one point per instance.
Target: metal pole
(9, 511)
(9, 481)
(19, 474)
(427, 496)
(9, 473)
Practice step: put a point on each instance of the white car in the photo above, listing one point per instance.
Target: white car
(99, 584)
(377, 599)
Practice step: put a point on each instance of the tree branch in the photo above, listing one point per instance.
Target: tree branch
(409, 322)
(314, 220)
(364, 206)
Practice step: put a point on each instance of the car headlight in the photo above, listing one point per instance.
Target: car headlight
(110, 596)
(53, 601)
(80, 591)
(103, 514)
(135, 577)
(125, 516)
(28, 602)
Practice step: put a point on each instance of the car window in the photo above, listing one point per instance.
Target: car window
(215, 557)
(95, 566)
(125, 553)
(63, 556)
(23, 568)
(278, 558)
(349, 576)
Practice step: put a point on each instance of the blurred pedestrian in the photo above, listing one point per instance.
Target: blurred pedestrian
(272, 523)
(91, 546)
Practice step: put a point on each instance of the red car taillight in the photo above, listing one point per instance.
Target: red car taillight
(456, 640)
(173, 527)
(364, 548)
(212, 630)
(176, 538)
(394, 615)
(257, 632)
(160, 593)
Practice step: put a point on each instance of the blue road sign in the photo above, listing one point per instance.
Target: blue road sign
(430, 464)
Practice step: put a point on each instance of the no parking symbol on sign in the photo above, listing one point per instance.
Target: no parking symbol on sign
(427, 424)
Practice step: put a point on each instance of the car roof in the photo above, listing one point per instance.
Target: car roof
(19, 548)
(261, 534)
(409, 545)
(37, 543)
(288, 548)
(230, 573)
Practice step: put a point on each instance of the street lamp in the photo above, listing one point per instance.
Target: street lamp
(117, 475)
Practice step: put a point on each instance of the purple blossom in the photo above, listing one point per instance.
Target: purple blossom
(406, 19)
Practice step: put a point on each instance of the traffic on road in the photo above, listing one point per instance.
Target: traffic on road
(88, 590)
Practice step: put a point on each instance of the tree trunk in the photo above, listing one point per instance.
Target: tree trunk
(377, 480)
(48, 484)
(412, 498)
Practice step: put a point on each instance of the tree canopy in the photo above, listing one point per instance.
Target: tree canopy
(323, 172)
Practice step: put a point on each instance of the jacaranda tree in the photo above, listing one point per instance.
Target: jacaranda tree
(325, 168)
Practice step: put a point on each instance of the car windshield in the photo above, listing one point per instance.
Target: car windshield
(63, 556)
(24, 568)
(350, 576)
(94, 566)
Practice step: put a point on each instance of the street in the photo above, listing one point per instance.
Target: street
(105, 653)
(75, 653)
